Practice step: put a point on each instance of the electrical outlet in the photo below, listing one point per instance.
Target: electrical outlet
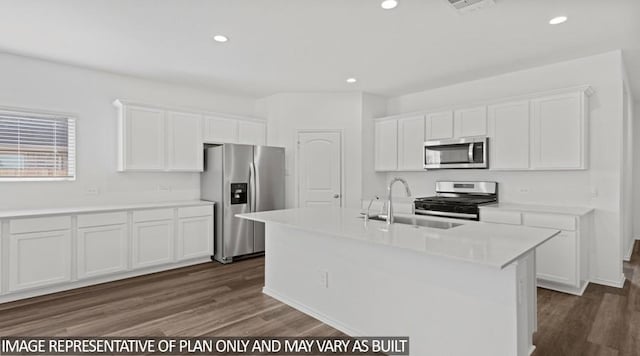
(92, 191)
(594, 192)
(524, 190)
(164, 188)
(323, 278)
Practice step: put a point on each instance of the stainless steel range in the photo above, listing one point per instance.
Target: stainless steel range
(460, 200)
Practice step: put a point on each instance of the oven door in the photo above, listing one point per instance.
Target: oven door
(457, 153)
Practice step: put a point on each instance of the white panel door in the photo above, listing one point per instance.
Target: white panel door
(386, 145)
(410, 143)
(470, 122)
(195, 237)
(102, 250)
(252, 133)
(319, 169)
(557, 128)
(184, 139)
(144, 141)
(220, 130)
(509, 136)
(153, 243)
(39, 259)
(556, 259)
(439, 125)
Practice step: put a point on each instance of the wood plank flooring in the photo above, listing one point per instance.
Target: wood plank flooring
(216, 300)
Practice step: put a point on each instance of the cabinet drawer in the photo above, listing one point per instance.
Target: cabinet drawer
(195, 211)
(500, 216)
(21, 226)
(152, 215)
(560, 222)
(91, 220)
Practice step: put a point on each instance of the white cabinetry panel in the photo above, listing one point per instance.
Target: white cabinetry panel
(153, 243)
(556, 259)
(220, 130)
(386, 145)
(509, 136)
(195, 237)
(470, 122)
(410, 143)
(184, 142)
(252, 133)
(101, 250)
(558, 131)
(143, 139)
(39, 259)
(439, 125)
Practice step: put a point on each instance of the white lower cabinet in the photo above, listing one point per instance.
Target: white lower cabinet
(41, 255)
(153, 243)
(561, 262)
(102, 250)
(39, 259)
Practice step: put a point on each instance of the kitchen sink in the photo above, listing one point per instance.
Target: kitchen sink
(434, 224)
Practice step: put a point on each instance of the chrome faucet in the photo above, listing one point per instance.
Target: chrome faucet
(368, 213)
(389, 200)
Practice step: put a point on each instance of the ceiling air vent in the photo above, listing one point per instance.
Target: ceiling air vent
(469, 5)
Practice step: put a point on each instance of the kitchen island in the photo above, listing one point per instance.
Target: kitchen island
(460, 288)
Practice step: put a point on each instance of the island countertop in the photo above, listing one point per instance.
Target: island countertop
(494, 245)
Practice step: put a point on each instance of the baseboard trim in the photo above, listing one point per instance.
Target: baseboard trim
(558, 287)
(608, 283)
(313, 313)
(627, 256)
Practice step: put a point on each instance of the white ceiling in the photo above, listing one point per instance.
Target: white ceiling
(314, 45)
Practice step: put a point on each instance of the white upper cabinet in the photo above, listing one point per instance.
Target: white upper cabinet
(559, 131)
(185, 149)
(386, 145)
(411, 134)
(439, 125)
(470, 122)
(252, 132)
(509, 135)
(142, 138)
(220, 130)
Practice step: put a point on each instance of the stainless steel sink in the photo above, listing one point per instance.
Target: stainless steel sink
(417, 222)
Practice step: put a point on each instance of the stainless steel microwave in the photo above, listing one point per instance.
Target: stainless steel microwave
(469, 152)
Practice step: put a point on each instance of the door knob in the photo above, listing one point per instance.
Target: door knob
(336, 196)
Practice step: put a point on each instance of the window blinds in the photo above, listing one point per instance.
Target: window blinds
(36, 146)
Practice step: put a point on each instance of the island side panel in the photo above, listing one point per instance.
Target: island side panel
(365, 289)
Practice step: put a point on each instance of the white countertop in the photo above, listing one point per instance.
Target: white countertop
(493, 245)
(532, 208)
(4, 214)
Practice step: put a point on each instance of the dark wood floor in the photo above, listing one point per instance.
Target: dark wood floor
(217, 300)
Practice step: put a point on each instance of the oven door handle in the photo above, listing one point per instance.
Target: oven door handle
(470, 153)
(446, 214)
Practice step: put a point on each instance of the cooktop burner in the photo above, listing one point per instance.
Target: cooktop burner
(466, 200)
(458, 199)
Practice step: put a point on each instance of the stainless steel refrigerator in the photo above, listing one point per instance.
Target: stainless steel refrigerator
(241, 179)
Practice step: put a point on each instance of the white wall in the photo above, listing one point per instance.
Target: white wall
(600, 186)
(30, 83)
(288, 112)
(373, 106)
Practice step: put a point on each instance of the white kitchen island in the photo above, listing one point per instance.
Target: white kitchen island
(467, 290)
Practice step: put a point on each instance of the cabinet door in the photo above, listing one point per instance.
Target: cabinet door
(556, 259)
(184, 139)
(252, 133)
(386, 145)
(471, 122)
(39, 259)
(153, 243)
(144, 139)
(195, 237)
(509, 136)
(410, 143)
(439, 125)
(220, 130)
(101, 250)
(558, 132)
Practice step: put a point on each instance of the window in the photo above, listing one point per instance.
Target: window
(36, 146)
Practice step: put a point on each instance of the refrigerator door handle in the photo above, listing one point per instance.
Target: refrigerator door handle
(252, 187)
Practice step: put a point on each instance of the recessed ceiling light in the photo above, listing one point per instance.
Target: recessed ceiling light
(389, 4)
(557, 20)
(220, 38)
(352, 80)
